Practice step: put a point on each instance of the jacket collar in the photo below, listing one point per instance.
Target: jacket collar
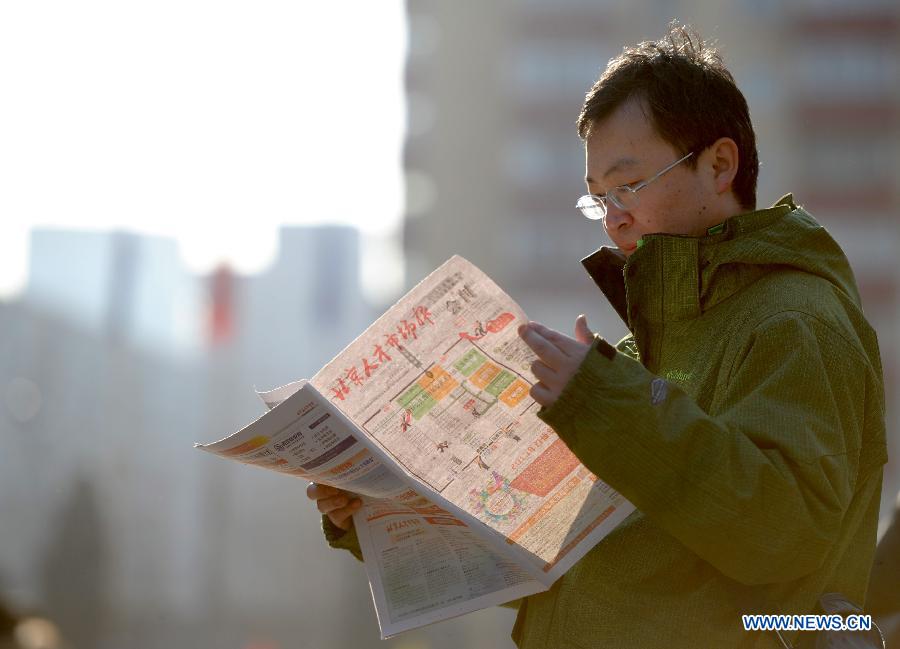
(673, 277)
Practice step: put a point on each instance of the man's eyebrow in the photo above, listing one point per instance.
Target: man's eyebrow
(618, 165)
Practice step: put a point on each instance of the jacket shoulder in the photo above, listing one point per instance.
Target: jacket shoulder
(790, 293)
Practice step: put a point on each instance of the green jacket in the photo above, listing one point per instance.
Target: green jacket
(744, 418)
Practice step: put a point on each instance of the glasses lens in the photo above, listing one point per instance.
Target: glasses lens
(623, 197)
(592, 207)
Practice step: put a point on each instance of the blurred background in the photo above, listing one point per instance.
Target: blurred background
(198, 199)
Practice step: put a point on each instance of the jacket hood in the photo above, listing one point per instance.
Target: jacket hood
(679, 277)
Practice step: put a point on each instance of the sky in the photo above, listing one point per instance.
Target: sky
(210, 122)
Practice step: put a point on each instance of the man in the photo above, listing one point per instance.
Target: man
(744, 413)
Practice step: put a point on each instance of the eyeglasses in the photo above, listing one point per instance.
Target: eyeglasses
(625, 197)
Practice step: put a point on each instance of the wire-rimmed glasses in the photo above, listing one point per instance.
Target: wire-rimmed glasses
(593, 206)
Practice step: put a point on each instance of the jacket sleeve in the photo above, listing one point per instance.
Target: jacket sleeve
(760, 489)
(341, 540)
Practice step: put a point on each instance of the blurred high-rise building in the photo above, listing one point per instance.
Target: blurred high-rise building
(493, 161)
(114, 525)
(131, 287)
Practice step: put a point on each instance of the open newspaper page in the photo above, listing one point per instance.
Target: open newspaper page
(424, 564)
(469, 499)
(308, 439)
(441, 384)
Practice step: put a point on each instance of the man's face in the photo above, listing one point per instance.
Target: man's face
(624, 149)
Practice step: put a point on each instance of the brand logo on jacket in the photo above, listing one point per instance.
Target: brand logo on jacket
(679, 376)
(659, 390)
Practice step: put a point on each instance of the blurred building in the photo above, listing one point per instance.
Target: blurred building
(134, 290)
(494, 165)
(493, 162)
(131, 287)
(113, 525)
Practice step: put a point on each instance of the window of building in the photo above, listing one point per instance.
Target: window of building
(846, 70)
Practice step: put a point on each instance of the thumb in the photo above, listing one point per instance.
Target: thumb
(582, 333)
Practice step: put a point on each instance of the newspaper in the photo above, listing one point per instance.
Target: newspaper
(469, 499)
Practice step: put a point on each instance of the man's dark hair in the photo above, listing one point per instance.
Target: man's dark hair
(690, 95)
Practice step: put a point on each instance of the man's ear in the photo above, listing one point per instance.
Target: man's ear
(723, 160)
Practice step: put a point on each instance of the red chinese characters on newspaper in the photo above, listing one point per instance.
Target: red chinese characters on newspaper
(358, 374)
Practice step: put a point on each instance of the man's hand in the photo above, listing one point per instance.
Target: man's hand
(558, 357)
(337, 504)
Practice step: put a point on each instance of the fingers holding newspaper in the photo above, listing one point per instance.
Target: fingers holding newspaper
(559, 357)
(337, 504)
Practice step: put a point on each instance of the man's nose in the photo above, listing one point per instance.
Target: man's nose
(616, 218)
